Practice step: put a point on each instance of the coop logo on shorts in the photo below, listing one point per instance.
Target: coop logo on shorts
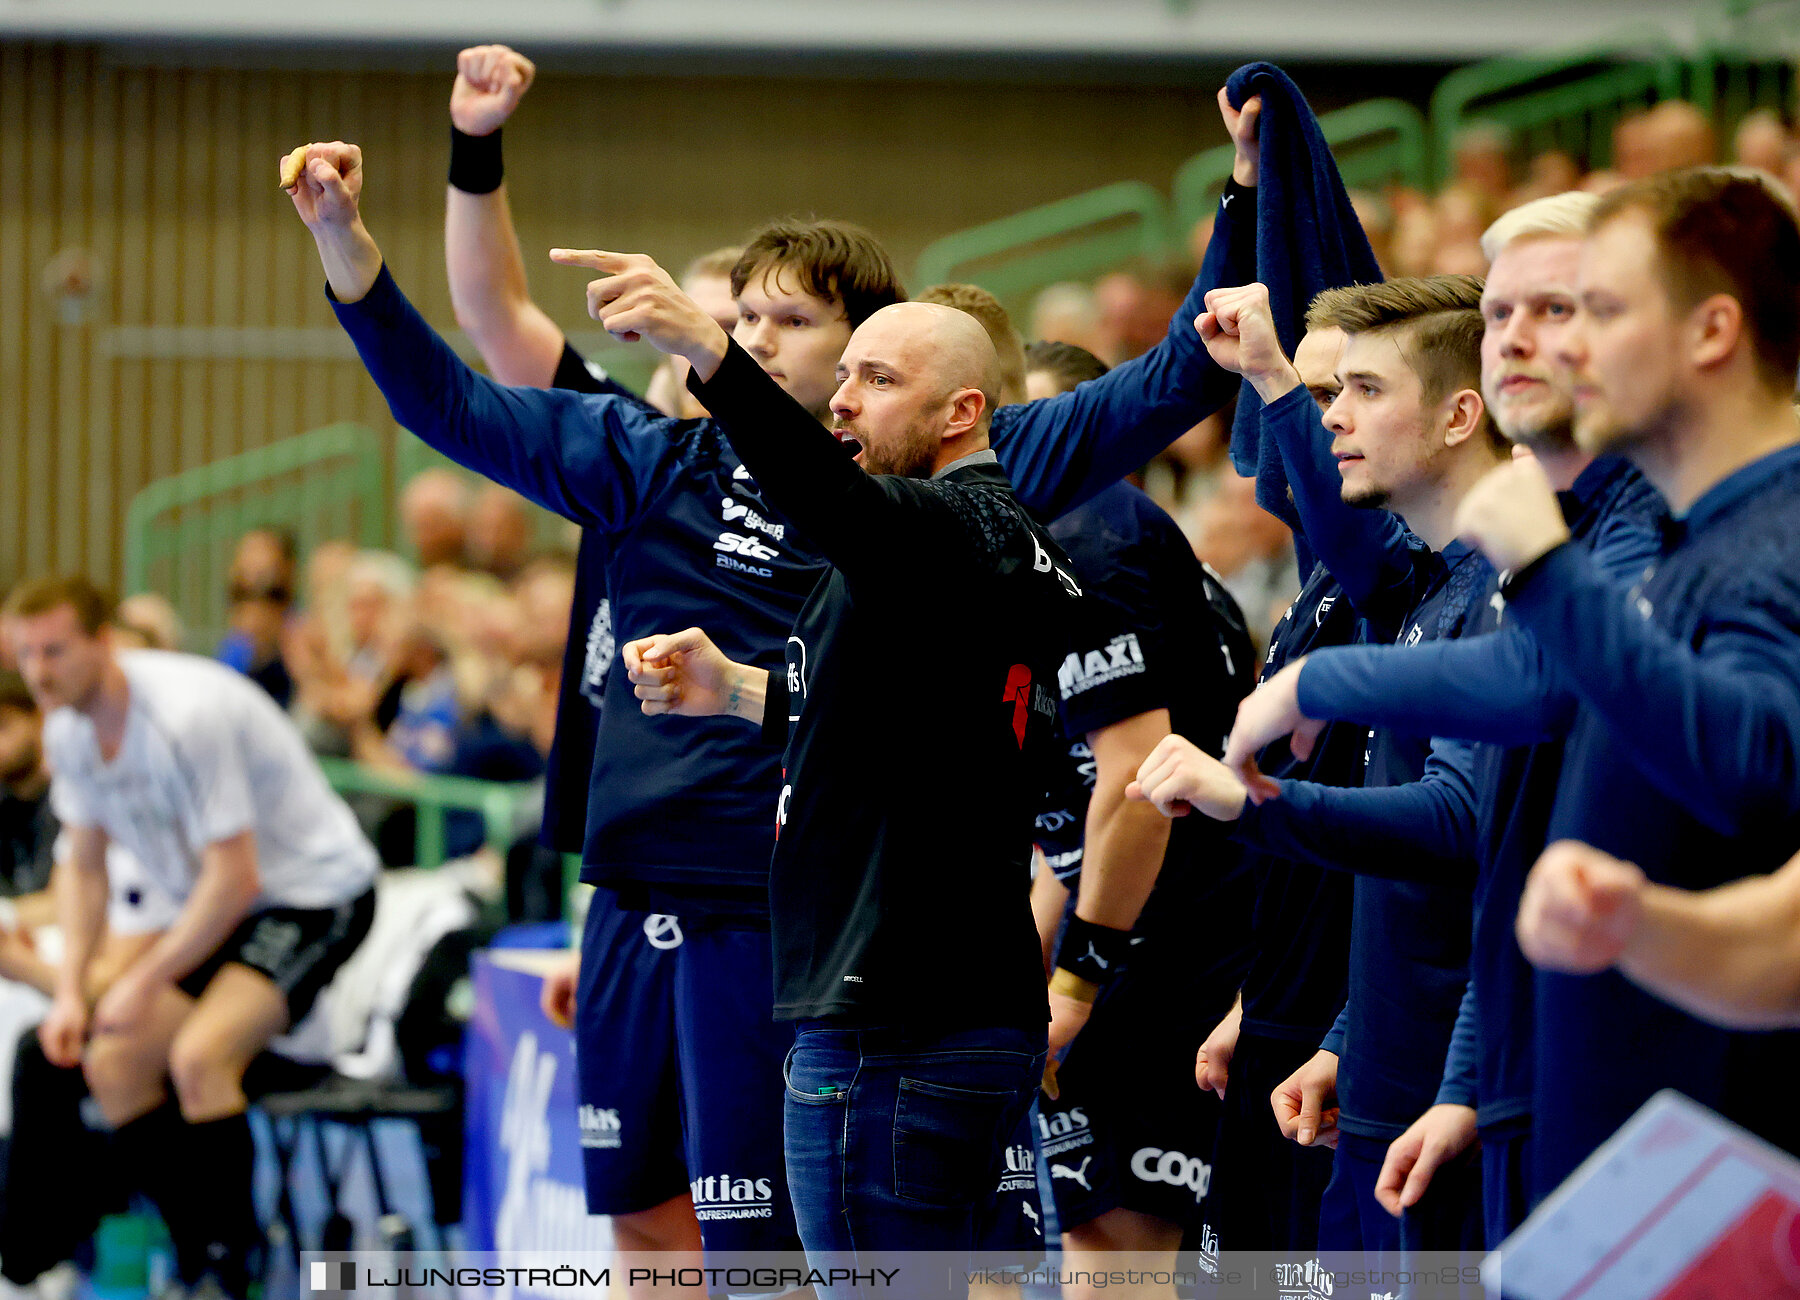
(720, 1196)
(1154, 1165)
(1120, 657)
(599, 1128)
(332, 1277)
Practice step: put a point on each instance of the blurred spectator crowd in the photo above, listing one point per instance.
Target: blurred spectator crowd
(1124, 313)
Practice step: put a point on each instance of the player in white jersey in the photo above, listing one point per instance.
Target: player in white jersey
(198, 773)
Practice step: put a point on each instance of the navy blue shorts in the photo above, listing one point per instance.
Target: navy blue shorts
(1010, 1230)
(1266, 1188)
(680, 1073)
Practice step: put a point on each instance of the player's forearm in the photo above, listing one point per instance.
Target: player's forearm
(489, 291)
(81, 914)
(23, 966)
(351, 259)
(224, 890)
(747, 693)
(1730, 955)
(1122, 856)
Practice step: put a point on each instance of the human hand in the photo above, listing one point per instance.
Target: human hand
(63, 1032)
(557, 1001)
(1305, 1102)
(1243, 126)
(1238, 329)
(685, 674)
(1512, 514)
(490, 82)
(1267, 714)
(635, 298)
(1212, 1064)
(328, 191)
(1435, 1139)
(1179, 777)
(1580, 908)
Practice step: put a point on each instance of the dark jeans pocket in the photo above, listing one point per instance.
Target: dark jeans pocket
(947, 1142)
(811, 1080)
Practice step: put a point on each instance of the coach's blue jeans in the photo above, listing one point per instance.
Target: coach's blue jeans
(895, 1137)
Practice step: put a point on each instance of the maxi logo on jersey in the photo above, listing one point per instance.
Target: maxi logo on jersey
(723, 1197)
(1120, 657)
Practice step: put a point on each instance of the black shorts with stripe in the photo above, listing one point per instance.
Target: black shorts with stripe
(299, 949)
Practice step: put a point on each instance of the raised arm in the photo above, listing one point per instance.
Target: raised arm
(1059, 451)
(580, 457)
(488, 289)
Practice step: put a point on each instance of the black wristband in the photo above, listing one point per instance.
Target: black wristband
(1092, 952)
(476, 166)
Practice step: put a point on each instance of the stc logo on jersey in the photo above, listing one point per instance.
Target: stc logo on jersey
(739, 548)
(1154, 1165)
(723, 1197)
(1120, 657)
(599, 1128)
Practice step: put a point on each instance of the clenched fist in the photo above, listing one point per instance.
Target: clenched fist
(490, 82)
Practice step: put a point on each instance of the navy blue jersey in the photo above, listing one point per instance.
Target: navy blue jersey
(1683, 759)
(1613, 511)
(691, 541)
(568, 770)
(1409, 945)
(1154, 629)
(1300, 926)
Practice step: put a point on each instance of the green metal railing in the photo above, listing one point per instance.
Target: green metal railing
(433, 797)
(1376, 143)
(1567, 101)
(1748, 57)
(1073, 238)
(179, 531)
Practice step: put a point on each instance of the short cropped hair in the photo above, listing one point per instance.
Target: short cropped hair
(834, 260)
(986, 308)
(1725, 230)
(41, 595)
(1437, 319)
(1556, 214)
(1068, 363)
(714, 265)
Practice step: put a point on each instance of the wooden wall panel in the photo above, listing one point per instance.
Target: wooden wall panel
(209, 333)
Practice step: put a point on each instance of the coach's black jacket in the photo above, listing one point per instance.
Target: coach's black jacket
(921, 703)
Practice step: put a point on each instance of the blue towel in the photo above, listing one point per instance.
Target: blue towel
(1307, 240)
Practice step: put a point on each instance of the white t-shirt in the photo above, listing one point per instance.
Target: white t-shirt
(207, 754)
